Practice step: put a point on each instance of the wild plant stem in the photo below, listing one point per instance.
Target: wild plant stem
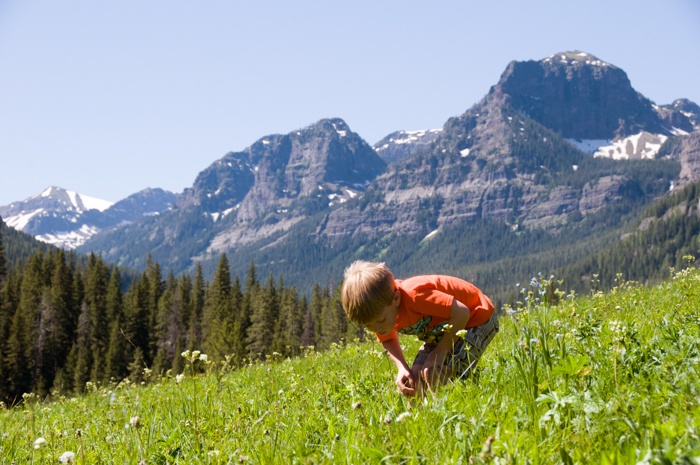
(194, 403)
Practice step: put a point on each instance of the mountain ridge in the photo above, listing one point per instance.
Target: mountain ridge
(514, 158)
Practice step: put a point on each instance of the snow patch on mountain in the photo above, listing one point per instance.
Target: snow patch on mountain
(407, 137)
(576, 58)
(80, 202)
(641, 146)
(69, 239)
(20, 221)
(589, 146)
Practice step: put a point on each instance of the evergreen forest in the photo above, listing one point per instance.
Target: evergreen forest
(66, 322)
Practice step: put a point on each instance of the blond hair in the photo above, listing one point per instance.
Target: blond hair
(367, 288)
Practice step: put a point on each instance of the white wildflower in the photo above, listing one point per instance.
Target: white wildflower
(39, 443)
(67, 457)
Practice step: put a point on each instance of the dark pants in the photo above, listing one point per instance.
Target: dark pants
(466, 351)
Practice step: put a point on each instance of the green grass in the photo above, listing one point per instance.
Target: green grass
(607, 378)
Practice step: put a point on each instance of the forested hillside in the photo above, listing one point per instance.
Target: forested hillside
(64, 324)
(667, 232)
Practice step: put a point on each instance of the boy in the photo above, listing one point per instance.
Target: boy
(434, 308)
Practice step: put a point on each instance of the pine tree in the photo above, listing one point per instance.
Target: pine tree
(115, 359)
(3, 261)
(194, 338)
(183, 304)
(20, 363)
(240, 325)
(218, 318)
(313, 332)
(156, 287)
(290, 324)
(136, 318)
(167, 327)
(82, 353)
(262, 322)
(334, 324)
(96, 282)
(7, 310)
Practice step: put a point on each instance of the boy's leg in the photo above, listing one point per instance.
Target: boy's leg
(468, 351)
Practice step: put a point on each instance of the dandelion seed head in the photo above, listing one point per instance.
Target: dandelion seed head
(403, 415)
(357, 405)
(135, 422)
(39, 443)
(67, 457)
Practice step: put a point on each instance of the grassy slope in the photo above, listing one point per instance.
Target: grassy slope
(609, 378)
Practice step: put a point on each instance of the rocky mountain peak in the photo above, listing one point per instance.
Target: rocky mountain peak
(575, 58)
(577, 95)
(67, 219)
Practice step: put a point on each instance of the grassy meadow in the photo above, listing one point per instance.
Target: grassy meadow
(605, 378)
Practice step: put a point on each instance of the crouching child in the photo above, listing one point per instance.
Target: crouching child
(452, 317)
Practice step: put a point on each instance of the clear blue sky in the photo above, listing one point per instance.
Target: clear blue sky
(110, 97)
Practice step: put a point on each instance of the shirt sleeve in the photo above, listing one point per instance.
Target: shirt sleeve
(388, 337)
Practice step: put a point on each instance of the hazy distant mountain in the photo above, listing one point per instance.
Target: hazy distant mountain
(67, 219)
(402, 144)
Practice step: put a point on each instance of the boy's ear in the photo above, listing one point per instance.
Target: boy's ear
(397, 297)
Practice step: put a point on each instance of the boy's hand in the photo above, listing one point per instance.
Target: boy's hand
(432, 373)
(405, 382)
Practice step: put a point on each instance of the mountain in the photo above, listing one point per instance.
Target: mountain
(666, 237)
(67, 219)
(514, 156)
(257, 193)
(402, 144)
(552, 165)
(17, 246)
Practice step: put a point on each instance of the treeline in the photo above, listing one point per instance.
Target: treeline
(64, 324)
(668, 233)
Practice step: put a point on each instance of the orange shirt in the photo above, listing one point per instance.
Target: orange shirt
(426, 302)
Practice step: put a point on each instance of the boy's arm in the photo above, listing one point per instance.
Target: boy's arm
(404, 378)
(459, 316)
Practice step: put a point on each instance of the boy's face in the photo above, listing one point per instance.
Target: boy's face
(384, 323)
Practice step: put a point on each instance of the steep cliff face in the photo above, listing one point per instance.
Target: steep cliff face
(263, 190)
(509, 158)
(578, 96)
(522, 157)
(687, 151)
